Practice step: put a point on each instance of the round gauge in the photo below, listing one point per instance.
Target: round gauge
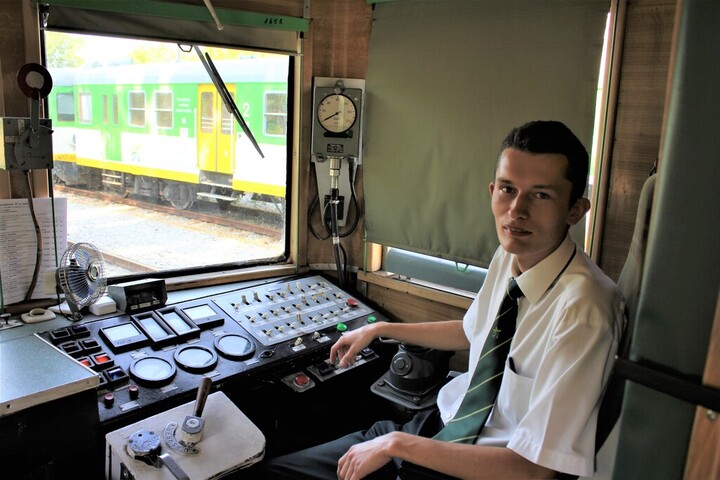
(336, 113)
(234, 346)
(152, 371)
(196, 358)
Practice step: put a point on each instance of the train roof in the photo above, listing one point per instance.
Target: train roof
(263, 70)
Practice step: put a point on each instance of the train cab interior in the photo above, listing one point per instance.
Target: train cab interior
(199, 198)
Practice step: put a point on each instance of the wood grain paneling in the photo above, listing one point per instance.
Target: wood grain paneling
(703, 459)
(339, 34)
(639, 118)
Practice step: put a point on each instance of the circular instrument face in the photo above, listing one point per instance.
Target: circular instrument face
(336, 113)
(152, 371)
(234, 346)
(196, 358)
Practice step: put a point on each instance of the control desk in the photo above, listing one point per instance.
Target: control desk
(276, 332)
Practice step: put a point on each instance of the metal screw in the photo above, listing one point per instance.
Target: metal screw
(711, 415)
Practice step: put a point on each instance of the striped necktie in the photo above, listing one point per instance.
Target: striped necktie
(485, 383)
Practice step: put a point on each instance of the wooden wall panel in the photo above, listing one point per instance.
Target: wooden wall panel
(703, 459)
(639, 119)
(339, 37)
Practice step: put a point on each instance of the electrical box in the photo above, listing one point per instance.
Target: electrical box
(24, 146)
(139, 295)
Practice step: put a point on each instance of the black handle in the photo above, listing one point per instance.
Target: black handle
(202, 394)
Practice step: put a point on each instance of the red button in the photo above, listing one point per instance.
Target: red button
(301, 380)
(351, 302)
(108, 400)
(102, 358)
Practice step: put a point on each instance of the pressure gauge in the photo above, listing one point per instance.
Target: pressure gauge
(336, 113)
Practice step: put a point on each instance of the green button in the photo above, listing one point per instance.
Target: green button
(341, 327)
(372, 319)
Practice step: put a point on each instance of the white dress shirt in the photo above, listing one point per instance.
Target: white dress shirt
(569, 324)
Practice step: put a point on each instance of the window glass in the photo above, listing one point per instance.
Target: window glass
(85, 108)
(275, 113)
(163, 180)
(164, 109)
(66, 107)
(136, 106)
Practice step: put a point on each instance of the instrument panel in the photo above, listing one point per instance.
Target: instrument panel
(274, 329)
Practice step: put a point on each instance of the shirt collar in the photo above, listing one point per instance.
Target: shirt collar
(535, 282)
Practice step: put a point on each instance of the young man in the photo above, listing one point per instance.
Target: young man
(568, 325)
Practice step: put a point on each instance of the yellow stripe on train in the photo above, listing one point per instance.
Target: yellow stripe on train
(189, 177)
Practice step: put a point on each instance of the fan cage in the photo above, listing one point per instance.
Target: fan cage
(82, 274)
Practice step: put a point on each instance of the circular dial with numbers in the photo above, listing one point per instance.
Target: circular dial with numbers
(336, 113)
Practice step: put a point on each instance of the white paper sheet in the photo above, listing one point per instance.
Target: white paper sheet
(18, 242)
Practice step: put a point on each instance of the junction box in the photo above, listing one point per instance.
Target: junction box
(25, 147)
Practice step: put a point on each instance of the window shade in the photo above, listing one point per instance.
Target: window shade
(446, 81)
(161, 20)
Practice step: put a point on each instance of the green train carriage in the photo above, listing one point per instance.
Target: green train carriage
(162, 130)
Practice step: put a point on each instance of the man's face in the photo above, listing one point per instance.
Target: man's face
(531, 204)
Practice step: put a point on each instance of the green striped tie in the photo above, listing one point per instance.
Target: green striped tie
(485, 383)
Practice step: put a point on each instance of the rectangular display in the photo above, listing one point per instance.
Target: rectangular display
(159, 333)
(199, 312)
(121, 332)
(124, 336)
(176, 322)
(204, 316)
(179, 323)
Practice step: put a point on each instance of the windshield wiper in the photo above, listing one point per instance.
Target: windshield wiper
(225, 95)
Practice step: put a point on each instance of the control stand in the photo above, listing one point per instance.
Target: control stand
(229, 440)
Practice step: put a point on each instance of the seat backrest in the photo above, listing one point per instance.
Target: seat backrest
(629, 283)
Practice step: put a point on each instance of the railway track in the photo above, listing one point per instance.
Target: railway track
(227, 218)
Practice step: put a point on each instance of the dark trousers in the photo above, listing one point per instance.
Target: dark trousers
(321, 461)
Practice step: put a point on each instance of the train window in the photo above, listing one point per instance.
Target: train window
(106, 113)
(85, 108)
(136, 108)
(116, 120)
(275, 113)
(161, 178)
(228, 121)
(66, 107)
(163, 109)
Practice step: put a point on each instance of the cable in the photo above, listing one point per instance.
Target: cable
(38, 236)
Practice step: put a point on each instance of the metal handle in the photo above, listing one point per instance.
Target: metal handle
(202, 394)
(171, 465)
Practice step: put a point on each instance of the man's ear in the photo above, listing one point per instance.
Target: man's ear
(578, 210)
(491, 187)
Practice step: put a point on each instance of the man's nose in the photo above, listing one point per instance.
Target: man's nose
(519, 207)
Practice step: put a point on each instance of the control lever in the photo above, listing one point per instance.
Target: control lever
(145, 446)
(193, 424)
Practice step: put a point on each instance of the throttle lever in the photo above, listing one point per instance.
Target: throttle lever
(202, 394)
(193, 424)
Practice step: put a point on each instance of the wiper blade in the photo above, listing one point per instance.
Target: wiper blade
(226, 97)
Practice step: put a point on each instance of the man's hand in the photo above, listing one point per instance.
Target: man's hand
(364, 458)
(344, 351)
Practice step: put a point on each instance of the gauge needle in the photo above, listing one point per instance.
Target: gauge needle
(334, 114)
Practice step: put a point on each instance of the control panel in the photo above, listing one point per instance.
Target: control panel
(281, 328)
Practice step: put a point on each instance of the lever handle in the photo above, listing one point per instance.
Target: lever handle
(202, 394)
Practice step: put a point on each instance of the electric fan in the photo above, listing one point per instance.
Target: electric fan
(81, 276)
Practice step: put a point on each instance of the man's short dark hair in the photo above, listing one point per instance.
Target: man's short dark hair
(549, 136)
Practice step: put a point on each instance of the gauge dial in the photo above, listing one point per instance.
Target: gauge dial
(336, 113)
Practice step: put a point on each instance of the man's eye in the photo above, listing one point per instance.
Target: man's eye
(542, 195)
(507, 190)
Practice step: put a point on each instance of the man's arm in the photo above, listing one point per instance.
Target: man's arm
(457, 460)
(448, 335)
